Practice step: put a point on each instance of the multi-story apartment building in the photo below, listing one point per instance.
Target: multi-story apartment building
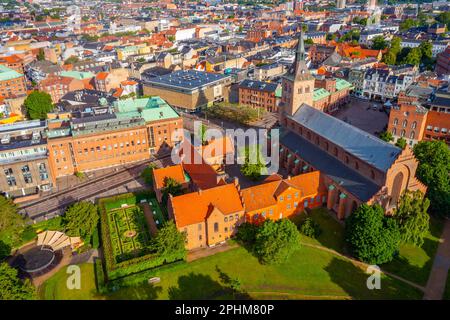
(437, 46)
(260, 94)
(384, 84)
(58, 86)
(443, 63)
(24, 167)
(12, 83)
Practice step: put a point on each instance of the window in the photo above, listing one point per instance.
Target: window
(405, 123)
(281, 198)
(199, 227)
(27, 174)
(200, 237)
(394, 131)
(43, 171)
(226, 229)
(412, 134)
(395, 121)
(10, 179)
(225, 219)
(216, 227)
(305, 204)
(402, 134)
(335, 151)
(372, 174)
(288, 206)
(230, 218)
(414, 125)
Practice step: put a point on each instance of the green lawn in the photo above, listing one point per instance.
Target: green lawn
(414, 263)
(332, 235)
(55, 288)
(308, 273)
(447, 288)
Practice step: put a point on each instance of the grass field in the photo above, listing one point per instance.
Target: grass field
(55, 288)
(332, 232)
(414, 263)
(123, 220)
(308, 273)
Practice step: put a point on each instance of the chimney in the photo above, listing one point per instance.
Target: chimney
(289, 177)
(199, 191)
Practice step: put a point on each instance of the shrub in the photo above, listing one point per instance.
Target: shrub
(310, 228)
(95, 241)
(247, 232)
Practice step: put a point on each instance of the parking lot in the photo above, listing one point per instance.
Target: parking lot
(364, 114)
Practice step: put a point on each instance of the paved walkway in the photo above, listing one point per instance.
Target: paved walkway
(438, 276)
(149, 218)
(205, 252)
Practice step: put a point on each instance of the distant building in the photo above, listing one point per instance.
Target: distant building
(12, 83)
(58, 86)
(260, 94)
(189, 89)
(443, 63)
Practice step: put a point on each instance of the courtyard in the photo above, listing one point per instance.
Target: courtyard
(363, 115)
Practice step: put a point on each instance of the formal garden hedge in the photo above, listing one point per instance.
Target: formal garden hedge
(119, 269)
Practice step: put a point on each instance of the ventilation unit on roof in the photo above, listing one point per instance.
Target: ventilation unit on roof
(5, 139)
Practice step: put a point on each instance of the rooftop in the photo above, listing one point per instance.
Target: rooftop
(187, 79)
(355, 141)
(8, 74)
(151, 109)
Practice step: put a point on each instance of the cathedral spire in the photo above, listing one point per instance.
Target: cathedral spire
(300, 54)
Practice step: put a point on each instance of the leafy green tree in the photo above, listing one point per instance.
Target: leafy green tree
(276, 241)
(401, 143)
(413, 218)
(253, 166)
(390, 58)
(81, 219)
(310, 228)
(407, 24)
(386, 136)
(309, 41)
(38, 104)
(414, 57)
(147, 173)
(247, 232)
(41, 55)
(71, 60)
(202, 133)
(433, 170)
(5, 250)
(426, 49)
(169, 242)
(372, 237)
(11, 222)
(331, 36)
(444, 17)
(379, 43)
(171, 186)
(395, 45)
(12, 288)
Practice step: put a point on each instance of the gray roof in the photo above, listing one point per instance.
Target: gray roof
(258, 85)
(357, 142)
(187, 79)
(349, 179)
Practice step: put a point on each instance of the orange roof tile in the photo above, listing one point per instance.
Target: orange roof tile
(101, 75)
(265, 194)
(175, 172)
(195, 207)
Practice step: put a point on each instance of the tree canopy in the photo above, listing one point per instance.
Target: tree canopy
(379, 43)
(401, 143)
(38, 104)
(11, 223)
(12, 288)
(413, 218)
(386, 136)
(253, 166)
(81, 219)
(433, 170)
(276, 241)
(169, 242)
(372, 237)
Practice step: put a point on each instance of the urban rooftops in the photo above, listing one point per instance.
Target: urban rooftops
(187, 80)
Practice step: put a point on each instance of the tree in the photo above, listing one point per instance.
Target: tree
(433, 170)
(379, 43)
(5, 250)
(372, 237)
(413, 218)
(252, 167)
(170, 243)
(38, 104)
(310, 228)
(444, 18)
(202, 133)
(71, 60)
(11, 222)
(407, 24)
(41, 55)
(401, 143)
(395, 45)
(390, 58)
(386, 136)
(81, 219)
(147, 174)
(426, 49)
(171, 186)
(414, 57)
(12, 288)
(276, 241)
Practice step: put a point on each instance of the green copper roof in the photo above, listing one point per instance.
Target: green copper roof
(151, 109)
(341, 84)
(8, 74)
(77, 74)
(320, 94)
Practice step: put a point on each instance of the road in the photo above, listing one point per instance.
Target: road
(55, 204)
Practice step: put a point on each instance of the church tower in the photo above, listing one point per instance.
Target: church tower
(297, 83)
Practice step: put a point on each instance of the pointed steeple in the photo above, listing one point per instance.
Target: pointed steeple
(300, 53)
